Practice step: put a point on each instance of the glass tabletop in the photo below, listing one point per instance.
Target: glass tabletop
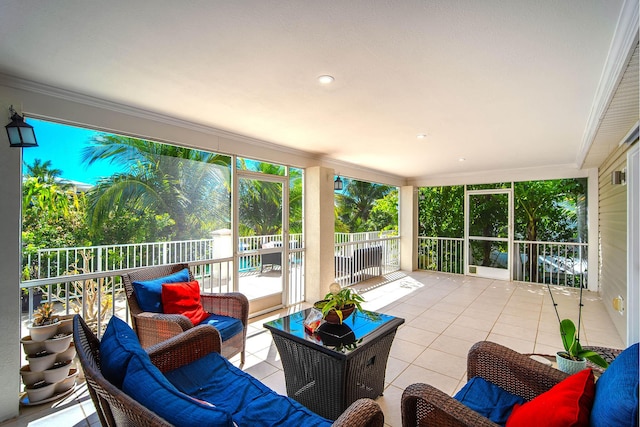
(355, 331)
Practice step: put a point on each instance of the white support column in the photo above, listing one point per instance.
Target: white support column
(408, 201)
(319, 231)
(593, 260)
(10, 226)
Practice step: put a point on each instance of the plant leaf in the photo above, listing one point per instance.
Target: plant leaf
(568, 335)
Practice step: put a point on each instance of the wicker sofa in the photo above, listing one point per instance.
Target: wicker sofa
(613, 399)
(126, 398)
(153, 328)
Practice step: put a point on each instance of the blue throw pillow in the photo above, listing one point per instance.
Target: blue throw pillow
(250, 402)
(616, 402)
(149, 292)
(118, 344)
(227, 326)
(146, 384)
(488, 399)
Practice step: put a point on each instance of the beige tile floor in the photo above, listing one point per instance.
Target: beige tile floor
(444, 315)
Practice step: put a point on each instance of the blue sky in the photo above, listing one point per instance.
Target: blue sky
(62, 145)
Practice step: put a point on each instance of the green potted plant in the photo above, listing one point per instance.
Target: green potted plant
(574, 358)
(339, 303)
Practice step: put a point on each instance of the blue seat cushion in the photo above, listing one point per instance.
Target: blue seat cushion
(146, 384)
(149, 292)
(488, 399)
(118, 344)
(227, 326)
(213, 379)
(616, 401)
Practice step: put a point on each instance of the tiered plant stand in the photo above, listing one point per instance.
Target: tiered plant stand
(50, 373)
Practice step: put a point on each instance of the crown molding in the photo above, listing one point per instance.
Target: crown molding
(359, 172)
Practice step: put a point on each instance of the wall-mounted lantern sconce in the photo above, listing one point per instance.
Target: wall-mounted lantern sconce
(21, 134)
(337, 184)
(618, 177)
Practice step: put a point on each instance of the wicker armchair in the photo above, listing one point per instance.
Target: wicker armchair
(153, 328)
(516, 373)
(116, 408)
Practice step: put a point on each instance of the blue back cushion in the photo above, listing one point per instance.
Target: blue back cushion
(118, 344)
(149, 292)
(488, 399)
(146, 384)
(227, 326)
(616, 402)
(213, 379)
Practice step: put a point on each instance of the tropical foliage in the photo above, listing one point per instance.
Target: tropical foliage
(364, 206)
(187, 188)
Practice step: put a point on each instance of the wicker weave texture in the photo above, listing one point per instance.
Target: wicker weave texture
(328, 385)
(516, 373)
(153, 328)
(115, 408)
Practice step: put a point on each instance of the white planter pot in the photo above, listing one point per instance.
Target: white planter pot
(40, 393)
(29, 377)
(39, 364)
(68, 382)
(57, 373)
(66, 324)
(570, 366)
(41, 333)
(30, 346)
(68, 354)
(58, 345)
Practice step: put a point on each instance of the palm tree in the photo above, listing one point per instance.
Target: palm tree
(190, 186)
(356, 202)
(261, 202)
(42, 171)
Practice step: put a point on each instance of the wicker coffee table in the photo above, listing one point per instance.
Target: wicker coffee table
(329, 370)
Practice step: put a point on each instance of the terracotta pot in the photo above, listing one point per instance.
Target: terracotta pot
(332, 316)
(568, 365)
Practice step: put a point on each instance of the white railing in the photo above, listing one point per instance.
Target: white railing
(551, 263)
(56, 262)
(444, 254)
(360, 259)
(560, 263)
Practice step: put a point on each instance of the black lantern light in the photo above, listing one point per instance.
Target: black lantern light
(337, 184)
(21, 134)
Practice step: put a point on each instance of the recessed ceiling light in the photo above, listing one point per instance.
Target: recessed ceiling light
(422, 135)
(326, 79)
(461, 159)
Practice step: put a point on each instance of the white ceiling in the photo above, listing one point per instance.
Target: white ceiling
(503, 84)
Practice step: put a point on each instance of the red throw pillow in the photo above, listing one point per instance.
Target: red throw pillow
(567, 404)
(183, 298)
